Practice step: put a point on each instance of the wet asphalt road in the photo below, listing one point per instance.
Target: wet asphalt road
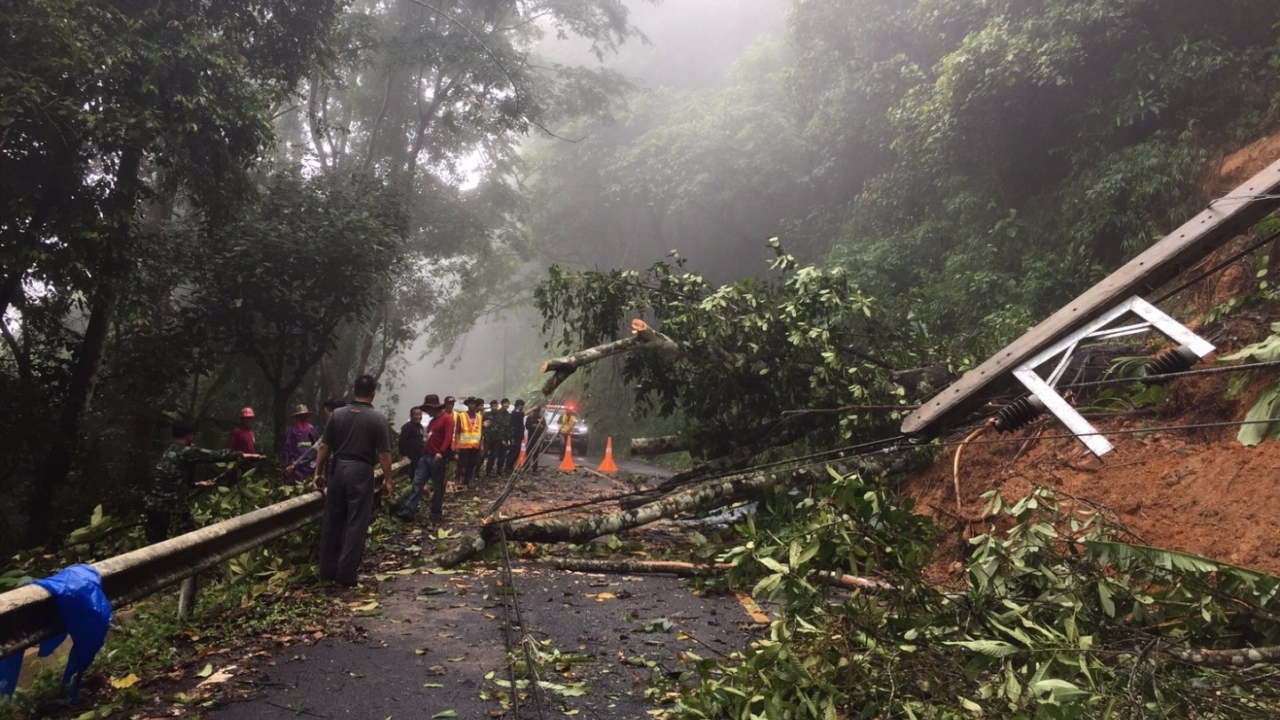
(435, 647)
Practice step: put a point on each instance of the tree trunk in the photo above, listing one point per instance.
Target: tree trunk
(57, 464)
(648, 447)
(708, 496)
(280, 418)
(626, 566)
(643, 338)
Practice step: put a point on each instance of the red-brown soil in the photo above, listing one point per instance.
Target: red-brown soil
(1197, 491)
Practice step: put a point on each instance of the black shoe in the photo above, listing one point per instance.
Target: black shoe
(436, 519)
(405, 517)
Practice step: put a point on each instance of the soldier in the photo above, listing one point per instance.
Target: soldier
(168, 502)
(517, 435)
(497, 436)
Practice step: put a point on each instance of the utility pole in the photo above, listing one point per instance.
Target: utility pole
(504, 359)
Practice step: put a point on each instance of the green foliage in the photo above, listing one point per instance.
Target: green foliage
(1059, 621)
(748, 350)
(1009, 154)
(1267, 406)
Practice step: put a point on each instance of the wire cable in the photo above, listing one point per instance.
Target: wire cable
(1173, 376)
(1251, 248)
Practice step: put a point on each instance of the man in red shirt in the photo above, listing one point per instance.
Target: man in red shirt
(241, 437)
(435, 448)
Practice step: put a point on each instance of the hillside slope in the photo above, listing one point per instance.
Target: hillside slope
(1197, 491)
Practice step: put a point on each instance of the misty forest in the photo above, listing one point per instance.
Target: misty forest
(741, 234)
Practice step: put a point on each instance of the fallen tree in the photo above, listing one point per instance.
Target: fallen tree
(643, 338)
(648, 447)
(627, 566)
(708, 496)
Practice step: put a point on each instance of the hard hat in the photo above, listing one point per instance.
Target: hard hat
(246, 412)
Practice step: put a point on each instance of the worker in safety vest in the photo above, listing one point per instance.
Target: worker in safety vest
(468, 440)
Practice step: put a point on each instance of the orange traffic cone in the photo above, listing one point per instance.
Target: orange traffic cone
(522, 457)
(567, 463)
(608, 465)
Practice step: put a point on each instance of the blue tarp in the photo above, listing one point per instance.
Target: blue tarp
(77, 591)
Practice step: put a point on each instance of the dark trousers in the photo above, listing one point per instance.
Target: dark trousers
(513, 454)
(348, 508)
(160, 525)
(495, 454)
(428, 469)
(535, 449)
(468, 463)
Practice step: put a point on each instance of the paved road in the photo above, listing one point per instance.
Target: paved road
(435, 644)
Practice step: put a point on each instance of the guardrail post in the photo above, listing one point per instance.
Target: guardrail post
(187, 596)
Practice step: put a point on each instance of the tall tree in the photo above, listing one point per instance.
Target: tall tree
(99, 95)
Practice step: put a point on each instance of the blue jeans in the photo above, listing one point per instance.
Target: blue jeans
(427, 468)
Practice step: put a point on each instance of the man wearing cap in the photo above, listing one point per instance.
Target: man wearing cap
(468, 440)
(306, 463)
(167, 501)
(411, 437)
(359, 438)
(497, 434)
(298, 439)
(517, 436)
(435, 451)
(241, 437)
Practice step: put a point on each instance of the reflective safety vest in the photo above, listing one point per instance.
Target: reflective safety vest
(469, 431)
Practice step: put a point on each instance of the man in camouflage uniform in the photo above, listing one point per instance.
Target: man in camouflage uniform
(168, 502)
(497, 437)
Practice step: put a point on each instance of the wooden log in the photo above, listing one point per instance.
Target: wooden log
(1240, 658)
(707, 496)
(648, 447)
(643, 338)
(628, 566)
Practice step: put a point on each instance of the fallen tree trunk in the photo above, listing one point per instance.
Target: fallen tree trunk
(648, 447)
(643, 337)
(627, 566)
(1242, 657)
(707, 496)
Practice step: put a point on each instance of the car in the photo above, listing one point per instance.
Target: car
(551, 415)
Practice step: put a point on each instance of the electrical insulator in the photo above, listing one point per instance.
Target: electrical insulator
(1018, 413)
(1173, 360)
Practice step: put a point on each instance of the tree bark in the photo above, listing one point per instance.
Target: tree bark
(643, 338)
(708, 496)
(648, 447)
(58, 462)
(626, 566)
(1241, 658)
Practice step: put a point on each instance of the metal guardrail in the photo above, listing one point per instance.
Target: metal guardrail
(28, 614)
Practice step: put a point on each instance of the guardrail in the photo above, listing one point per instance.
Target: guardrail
(28, 614)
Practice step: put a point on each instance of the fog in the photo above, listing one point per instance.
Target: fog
(691, 45)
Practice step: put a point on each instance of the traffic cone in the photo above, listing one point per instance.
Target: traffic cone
(521, 458)
(608, 465)
(566, 464)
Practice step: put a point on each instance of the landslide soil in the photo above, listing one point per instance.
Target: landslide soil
(1197, 491)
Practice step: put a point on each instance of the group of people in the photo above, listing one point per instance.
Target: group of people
(340, 461)
(473, 439)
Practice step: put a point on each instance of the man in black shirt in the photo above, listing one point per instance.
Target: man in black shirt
(517, 435)
(359, 438)
(412, 435)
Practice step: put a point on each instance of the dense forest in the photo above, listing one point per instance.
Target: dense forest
(207, 206)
